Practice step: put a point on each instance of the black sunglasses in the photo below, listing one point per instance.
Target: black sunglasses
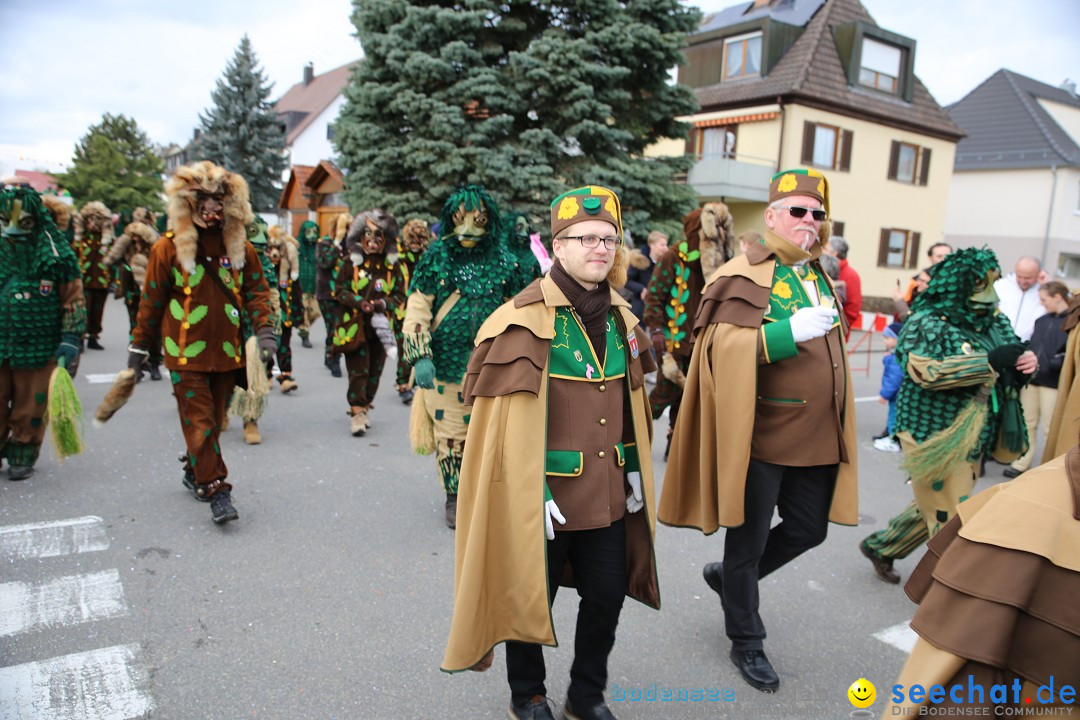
(798, 211)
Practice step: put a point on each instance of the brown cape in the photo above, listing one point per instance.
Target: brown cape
(500, 569)
(710, 450)
(997, 589)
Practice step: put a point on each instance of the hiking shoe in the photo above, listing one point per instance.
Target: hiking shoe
(252, 436)
(222, 508)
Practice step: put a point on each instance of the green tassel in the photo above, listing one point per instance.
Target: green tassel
(932, 459)
(64, 413)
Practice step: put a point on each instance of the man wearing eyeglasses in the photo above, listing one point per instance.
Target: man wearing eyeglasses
(769, 346)
(556, 483)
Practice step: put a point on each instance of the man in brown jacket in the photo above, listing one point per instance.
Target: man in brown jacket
(201, 274)
(769, 346)
(564, 361)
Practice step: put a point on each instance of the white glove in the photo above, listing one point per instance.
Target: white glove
(551, 510)
(812, 322)
(633, 498)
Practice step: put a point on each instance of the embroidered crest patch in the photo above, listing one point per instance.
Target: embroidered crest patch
(45, 288)
(631, 340)
(226, 262)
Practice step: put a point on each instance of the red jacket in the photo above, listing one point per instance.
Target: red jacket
(853, 288)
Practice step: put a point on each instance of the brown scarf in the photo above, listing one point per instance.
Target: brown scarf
(592, 306)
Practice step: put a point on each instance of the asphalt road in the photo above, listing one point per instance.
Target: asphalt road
(330, 597)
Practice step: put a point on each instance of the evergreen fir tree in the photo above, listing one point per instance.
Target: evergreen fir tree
(242, 132)
(525, 98)
(116, 164)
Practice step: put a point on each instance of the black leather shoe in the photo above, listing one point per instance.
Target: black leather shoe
(93, 344)
(305, 341)
(714, 576)
(882, 566)
(155, 372)
(535, 709)
(600, 711)
(222, 507)
(20, 472)
(1011, 472)
(756, 669)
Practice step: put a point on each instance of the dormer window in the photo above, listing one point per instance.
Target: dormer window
(742, 56)
(881, 66)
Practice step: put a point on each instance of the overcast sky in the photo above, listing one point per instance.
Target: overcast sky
(67, 62)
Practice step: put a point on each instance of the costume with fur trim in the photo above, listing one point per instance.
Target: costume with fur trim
(284, 253)
(307, 240)
(328, 254)
(414, 232)
(463, 277)
(91, 245)
(200, 281)
(42, 317)
(366, 284)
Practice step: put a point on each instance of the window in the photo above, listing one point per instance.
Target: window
(827, 146)
(1068, 266)
(329, 131)
(880, 66)
(909, 163)
(718, 142)
(898, 248)
(838, 228)
(742, 56)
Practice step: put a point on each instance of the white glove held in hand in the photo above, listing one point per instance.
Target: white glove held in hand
(551, 510)
(812, 322)
(633, 498)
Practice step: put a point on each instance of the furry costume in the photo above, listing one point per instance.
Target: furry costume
(328, 253)
(518, 239)
(674, 293)
(367, 283)
(284, 253)
(43, 318)
(200, 282)
(461, 279)
(91, 245)
(413, 241)
(307, 240)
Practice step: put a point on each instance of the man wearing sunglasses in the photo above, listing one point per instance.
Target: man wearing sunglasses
(769, 345)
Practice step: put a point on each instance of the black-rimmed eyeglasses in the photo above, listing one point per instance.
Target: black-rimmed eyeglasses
(591, 241)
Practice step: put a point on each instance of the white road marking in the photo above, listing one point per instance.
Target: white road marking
(105, 684)
(869, 398)
(61, 601)
(52, 539)
(100, 378)
(900, 636)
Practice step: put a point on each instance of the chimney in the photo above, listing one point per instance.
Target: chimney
(1068, 86)
(309, 73)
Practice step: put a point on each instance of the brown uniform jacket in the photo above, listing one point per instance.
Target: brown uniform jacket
(705, 481)
(500, 568)
(197, 319)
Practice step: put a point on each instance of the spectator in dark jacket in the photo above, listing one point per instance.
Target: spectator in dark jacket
(641, 270)
(1048, 344)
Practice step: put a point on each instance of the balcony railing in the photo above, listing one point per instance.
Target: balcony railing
(732, 175)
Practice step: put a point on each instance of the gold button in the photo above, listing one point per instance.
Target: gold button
(602, 387)
(603, 421)
(600, 454)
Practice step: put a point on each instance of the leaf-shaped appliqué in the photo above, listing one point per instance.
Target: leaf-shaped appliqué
(233, 314)
(194, 348)
(171, 347)
(197, 314)
(226, 276)
(685, 297)
(229, 349)
(178, 278)
(175, 309)
(670, 312)
(196, 277)
(693, 256)
(352, 331)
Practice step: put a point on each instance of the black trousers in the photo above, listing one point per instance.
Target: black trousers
(753, 550)
(598, 558)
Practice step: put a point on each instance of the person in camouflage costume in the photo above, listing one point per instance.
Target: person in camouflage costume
(42, 319)
(308, 240)
(412, 242)
(367, 283)
(283, 252)
(672, 299)
(463, 277)
(93, 238)
(328, 255)
(958, 401)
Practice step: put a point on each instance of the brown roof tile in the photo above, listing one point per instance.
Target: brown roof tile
(811, 72)
(314, 97)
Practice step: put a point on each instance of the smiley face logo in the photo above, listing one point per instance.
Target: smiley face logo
(862, 693)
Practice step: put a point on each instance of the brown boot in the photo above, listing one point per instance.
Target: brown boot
(287, 384)
(882, 566)
(358, 423)
(451, 511)
(367, 415)
(225, 423)
(251, 433)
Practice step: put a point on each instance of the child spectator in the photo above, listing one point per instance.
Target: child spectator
(890, 386)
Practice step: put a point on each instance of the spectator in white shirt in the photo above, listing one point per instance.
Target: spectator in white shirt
(1018, 294)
